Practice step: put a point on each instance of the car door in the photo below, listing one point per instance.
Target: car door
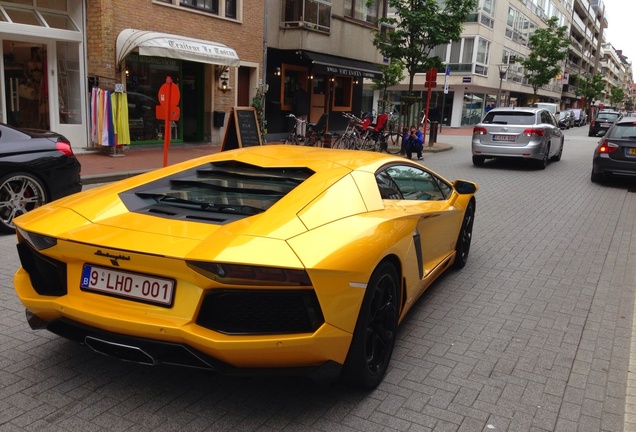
(424, 198)
(552, 132)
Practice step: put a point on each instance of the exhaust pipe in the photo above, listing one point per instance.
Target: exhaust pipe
(119, 351)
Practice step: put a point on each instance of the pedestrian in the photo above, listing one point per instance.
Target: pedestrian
(301, 109)
(414, 142)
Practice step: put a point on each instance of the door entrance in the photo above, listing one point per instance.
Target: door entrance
(26, 85)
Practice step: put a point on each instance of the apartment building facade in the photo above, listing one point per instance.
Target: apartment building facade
(324, 49)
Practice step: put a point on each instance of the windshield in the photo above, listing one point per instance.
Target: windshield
(509, 117)
(607, 116)
(623, 131)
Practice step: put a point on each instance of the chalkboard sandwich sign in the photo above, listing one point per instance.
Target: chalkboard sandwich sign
(242, 129)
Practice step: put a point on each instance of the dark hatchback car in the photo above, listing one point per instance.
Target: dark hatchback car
(602, 122)
(615, 155)
(36, 167)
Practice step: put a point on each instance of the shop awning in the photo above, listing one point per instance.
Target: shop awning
(324, 63)
(158, 44)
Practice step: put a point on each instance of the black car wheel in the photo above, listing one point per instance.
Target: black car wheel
(478, 160)
(543, 162)
(19, 193)
(596, 178)
(375, 331)
(465, 237)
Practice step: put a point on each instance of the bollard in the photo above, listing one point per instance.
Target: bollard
(432, 137)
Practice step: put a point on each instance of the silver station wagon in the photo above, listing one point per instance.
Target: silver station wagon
(529, 133)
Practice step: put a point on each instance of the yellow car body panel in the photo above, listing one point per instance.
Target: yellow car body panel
(333, 227)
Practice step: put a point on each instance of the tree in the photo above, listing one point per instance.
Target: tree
(590, 87)
(420, 26)
(548, 48)
(617, 95)
(392, 74)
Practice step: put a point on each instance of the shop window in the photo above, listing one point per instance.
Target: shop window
(312, 14)
(292, 76)
(342, 93)
(145, 77)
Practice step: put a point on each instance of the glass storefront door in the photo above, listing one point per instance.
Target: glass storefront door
(26, 85)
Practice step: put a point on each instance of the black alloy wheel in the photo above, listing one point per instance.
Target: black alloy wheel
(20, 192)
(465, 237)
(375, 332)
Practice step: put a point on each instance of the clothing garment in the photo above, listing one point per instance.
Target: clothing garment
(414, 143)
(121, 127)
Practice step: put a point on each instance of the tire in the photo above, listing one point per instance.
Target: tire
(393, 143)
(339, 143)
(557, 157)
(596, 178)
(478, 160)
(543, 162)
(375, 332)
(462, 248)
(292, 139)
(19, 193)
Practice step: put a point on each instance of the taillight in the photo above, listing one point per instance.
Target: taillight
(534, 132)
(65, 147)
(607, 147)
(479, 131)
(250, 275)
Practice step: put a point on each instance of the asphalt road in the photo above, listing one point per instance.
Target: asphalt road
(534, 334)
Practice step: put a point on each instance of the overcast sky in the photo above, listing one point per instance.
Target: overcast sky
(621, 30)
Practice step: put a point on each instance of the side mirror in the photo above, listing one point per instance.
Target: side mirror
(465, 187)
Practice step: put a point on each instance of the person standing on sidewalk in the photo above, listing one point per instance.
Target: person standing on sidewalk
(414, 142)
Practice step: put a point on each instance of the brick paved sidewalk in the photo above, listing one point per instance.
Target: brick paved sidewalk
(99, 166)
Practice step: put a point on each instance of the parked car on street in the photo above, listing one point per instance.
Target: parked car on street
(528, 132)
(36, 167)
(580, 117)
(602, 122)
(566, 119)
(615, 154)
(273, 258)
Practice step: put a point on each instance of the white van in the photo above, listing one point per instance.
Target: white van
(552, 107)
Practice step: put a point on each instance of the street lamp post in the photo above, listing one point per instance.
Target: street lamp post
(503, 69)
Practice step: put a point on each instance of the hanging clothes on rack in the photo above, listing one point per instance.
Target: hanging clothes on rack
(121, 128)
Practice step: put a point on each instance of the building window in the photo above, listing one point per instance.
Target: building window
(342, 93)
(221, 8)
(292, 78)
(364, 10)
(311, 14)
(483, 56)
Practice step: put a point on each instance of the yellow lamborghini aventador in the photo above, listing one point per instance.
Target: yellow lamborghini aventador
(270, 258)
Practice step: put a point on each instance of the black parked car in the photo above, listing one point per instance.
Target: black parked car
(36, 167)
(615, 155)
(603, 120)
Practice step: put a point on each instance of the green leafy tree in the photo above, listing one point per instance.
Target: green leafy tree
(420, 26)
(590, 87)
(392, 74)
(548, 49)
(617, 95)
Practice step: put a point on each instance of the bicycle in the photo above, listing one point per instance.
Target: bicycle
(314, 132)
(351, 138)
(379, 139)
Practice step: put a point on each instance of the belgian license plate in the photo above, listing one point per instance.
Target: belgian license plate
(133, 286)
(605, 125)
(505, 138)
